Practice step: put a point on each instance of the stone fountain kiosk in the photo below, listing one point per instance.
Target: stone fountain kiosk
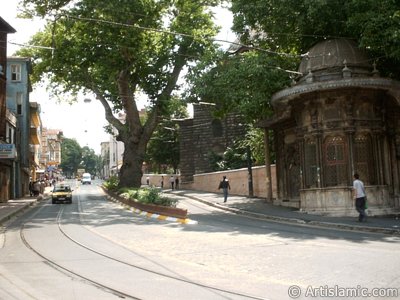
(339, 118)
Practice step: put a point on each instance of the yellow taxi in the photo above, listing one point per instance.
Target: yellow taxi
(61, 193)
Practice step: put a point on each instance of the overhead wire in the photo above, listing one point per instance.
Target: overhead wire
(164, 31)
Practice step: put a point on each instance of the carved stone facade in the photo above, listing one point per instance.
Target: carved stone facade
(203, 135)
(340, 118)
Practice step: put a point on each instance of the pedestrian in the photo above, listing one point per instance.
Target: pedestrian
(30, 187)
(224, 185)
(36, 188)
(162, 182)
(172, 181)
(177, 183)
(42, 185)
(359, 196)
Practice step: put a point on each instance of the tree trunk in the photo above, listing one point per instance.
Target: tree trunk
(130, 174)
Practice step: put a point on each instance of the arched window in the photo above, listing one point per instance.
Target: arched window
(335, 161)
(363, 158)
(216, 128)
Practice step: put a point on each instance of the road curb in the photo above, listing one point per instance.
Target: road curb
(300, 222)
(152, 215)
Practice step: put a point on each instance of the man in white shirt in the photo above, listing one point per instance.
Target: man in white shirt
(359, 197)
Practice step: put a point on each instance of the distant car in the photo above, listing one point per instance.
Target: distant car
(61, 193)
(86, 178)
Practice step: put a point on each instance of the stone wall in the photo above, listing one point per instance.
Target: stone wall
(203, 135)
(238, 179)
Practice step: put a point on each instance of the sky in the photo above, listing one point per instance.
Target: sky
(82, 121)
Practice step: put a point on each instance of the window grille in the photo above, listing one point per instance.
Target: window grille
(335, 158)
(311, 167)
(363, 158)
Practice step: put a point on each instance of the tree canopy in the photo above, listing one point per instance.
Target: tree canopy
(71, 156)
(118, 49)
(293, 26)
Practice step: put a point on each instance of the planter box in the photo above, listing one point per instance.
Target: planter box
(151, 208)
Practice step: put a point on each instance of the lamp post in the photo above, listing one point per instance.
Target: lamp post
(250, 172)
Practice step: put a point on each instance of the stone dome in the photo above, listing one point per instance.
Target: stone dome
(333, 54)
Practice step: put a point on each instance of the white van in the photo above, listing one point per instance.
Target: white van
(86, 178)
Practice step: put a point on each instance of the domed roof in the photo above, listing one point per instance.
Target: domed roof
(334, 53)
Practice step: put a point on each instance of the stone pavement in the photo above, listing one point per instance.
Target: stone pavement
(15, 206)
(260, 209)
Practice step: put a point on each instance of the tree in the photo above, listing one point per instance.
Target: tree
(163, 149)
(118, 49)
(71, 156)
(90, 161)
(239, 82)
(293, 26)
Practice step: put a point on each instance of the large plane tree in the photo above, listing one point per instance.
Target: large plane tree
(118, 49)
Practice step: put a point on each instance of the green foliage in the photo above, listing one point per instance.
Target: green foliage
(233, 158)
(71, 156)
(119, 50)
(148, 195)
(163, 148)
(293, 26)
(112, 183)
(90, 161)
(242, 83)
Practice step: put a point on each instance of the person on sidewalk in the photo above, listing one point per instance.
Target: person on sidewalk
(359, 197)
(224, 185)
(30, 187)
(172, 181)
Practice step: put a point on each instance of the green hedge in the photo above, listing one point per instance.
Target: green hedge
(148, 195)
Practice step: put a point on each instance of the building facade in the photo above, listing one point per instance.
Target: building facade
(340, 118)
(50, 155)
(105, 158)
(35, 139)
(17, 99)
(7, 119)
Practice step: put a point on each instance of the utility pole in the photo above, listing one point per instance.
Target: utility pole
(250, 172)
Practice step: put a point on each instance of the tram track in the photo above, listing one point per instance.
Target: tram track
(221, 292)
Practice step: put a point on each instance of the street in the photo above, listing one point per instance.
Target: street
(96, 249)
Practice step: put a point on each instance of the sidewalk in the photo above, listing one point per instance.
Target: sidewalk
(14, 206)
(258, 208)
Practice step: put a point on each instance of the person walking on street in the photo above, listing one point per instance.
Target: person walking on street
(359, 197)
(172, 182)
(224, 185)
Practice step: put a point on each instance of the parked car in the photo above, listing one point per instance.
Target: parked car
(61, 193)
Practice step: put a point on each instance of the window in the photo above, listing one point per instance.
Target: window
(15, 72)
(217, 128)
(335, 161)
(363, 158)
(311, 168)
(19, 103)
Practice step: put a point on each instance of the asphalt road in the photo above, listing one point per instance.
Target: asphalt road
(95, 249)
